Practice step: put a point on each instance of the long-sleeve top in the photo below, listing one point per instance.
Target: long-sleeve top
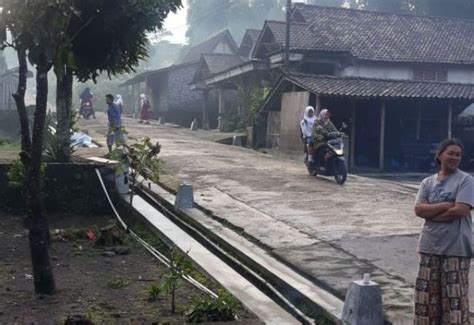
(321, 132)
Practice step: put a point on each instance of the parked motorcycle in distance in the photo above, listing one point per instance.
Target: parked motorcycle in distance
(333, 161)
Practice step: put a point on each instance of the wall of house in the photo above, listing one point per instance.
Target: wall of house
(461, 75)
(273, 129)
(8, 85)
(400, 72)
(378, 71)
(292, 110)
(184, 104)
(158, 92)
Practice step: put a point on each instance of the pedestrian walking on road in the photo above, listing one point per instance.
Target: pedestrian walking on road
(115, 122)
(144, 109)
(445, 201)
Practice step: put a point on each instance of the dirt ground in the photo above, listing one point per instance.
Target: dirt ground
(85, 280)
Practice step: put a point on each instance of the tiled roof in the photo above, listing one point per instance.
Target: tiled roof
(301, 36)
(253, 34)
(220, 62)
(381, 36)
(209, 45)
(361, 87)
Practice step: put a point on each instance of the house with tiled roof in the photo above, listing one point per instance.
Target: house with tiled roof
(223, 79)
(399, 81)
(172, 98)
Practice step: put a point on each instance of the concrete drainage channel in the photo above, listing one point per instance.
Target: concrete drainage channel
(273, 291)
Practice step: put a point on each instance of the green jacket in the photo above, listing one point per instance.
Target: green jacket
(321, 133)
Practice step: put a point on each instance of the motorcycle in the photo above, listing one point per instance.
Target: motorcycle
(333, 160)
(87, 110)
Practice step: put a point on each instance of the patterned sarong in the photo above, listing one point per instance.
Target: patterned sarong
(442, 290)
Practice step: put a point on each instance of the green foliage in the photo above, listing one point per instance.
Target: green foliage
(16, 175)
(50, 141)
(153, 292)
(142, 158)
(222, 309)
(251, 99)
(118, 283)
(111, 37)
(180, 266)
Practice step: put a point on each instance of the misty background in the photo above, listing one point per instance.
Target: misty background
(198, 20)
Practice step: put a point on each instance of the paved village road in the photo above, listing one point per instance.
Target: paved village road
(332, 233)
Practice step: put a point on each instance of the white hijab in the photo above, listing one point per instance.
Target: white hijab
(311, 119)
(118, 100)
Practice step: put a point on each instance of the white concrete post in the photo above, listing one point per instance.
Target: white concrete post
(363, 304)
(184, 197)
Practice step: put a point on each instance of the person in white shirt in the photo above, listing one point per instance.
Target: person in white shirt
(306, 125)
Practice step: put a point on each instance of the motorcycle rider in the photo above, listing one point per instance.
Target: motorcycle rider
(86, 96)
(306, 126)
(323, 130)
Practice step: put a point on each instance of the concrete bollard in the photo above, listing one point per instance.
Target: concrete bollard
(184, 197)
(237, 141)
(363, 304)
(194, 125)
(121, 180)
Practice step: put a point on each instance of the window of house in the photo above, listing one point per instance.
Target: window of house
(430, 74)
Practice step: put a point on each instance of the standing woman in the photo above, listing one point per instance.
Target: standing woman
(144, 109)
(445, 200)
(119, 102)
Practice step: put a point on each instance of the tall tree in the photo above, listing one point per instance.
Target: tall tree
(37, 28)
(56, 33)
(104, 37)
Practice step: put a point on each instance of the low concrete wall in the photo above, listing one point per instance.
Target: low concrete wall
(68, 188)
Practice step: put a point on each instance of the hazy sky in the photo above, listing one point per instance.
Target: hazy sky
(176, 24)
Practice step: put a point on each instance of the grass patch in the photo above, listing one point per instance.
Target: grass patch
(118, 283)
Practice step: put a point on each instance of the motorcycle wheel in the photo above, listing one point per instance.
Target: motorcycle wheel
(340, 172)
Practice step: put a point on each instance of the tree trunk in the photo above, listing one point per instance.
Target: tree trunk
(37, 222)
(21, 107)
(63, 107)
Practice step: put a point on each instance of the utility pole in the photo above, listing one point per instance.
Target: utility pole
(287, 40)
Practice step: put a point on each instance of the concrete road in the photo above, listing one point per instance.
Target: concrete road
(331, 233)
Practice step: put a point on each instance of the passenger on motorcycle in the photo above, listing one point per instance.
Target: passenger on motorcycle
(323, 130)
(306, 126)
